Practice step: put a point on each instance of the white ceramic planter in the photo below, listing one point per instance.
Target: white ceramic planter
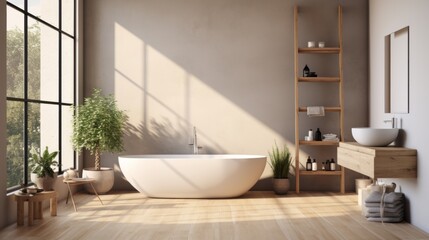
(46, 183)
(104, 179)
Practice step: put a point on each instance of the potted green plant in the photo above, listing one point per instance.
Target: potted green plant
(280, 162)
(98, 127)
(42, 172)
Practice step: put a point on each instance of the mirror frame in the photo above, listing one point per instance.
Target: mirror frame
(396, 72)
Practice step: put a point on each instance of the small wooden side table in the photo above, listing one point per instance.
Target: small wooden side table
(79, 181)
(34, 205)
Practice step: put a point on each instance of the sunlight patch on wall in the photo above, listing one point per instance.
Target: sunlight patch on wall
(154, 89)
(129, 63)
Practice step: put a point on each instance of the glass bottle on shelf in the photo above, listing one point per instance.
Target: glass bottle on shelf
(308, 165)
(318, 135)
(306, 71)
(314, 165)
(333, 166)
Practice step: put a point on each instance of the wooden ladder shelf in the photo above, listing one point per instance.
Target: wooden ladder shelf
(335, 109)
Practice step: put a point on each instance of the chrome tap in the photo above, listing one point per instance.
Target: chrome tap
(195, 142)
(392, 121)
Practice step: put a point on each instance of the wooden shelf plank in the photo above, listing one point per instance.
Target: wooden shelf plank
(319, 143)
(326, 50)
(327, 109)
(320, 173)
(318, 79)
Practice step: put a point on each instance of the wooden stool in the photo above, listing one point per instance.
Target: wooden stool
(34, 205)
(79, 181)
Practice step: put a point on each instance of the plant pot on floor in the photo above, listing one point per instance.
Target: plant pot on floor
(281, 185)
(46, 183)
(104, 179)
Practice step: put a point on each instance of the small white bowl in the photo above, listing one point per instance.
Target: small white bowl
(31, 190)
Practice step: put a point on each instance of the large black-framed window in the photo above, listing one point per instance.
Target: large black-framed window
(41, 83)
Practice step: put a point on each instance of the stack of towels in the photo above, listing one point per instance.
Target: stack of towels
(330, 137)
(388, 207)
(315, 111)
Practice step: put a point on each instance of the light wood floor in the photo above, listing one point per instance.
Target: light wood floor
(256, 215)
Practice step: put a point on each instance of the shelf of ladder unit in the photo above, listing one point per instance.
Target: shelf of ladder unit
(327, 109)
(319, 79)
(319, 143)
(326, 50)
(319, 173)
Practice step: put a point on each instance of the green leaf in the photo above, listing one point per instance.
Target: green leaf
(42, 164)
(98, 124)
(280, 161)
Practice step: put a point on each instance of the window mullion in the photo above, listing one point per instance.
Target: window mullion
(74, 66)
(26, 171)
(60, 54)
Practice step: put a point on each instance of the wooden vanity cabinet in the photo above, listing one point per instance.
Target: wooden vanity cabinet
(378, 162)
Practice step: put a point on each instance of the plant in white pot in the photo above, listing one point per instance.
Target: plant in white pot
(98, 126)
(42, 172)
(280, 162)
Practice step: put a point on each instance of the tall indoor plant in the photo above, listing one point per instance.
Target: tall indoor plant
(42, 171)
(98, 126)
(280, 162)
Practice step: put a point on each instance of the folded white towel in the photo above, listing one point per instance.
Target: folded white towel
(386, 205)
(397, 209)
(386, 219)
(315, 111)
(330, 135)
(386, 214)
(392, 197)
(331, 139)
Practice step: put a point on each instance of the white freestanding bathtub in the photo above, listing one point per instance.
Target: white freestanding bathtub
(192, 176)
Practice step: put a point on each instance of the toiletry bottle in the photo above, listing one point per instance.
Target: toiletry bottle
(328, 165)
(314, 165)
(318, 135)
(323, 166)
(310, 135)
(332, 165)
(308, 166)
(306, 71)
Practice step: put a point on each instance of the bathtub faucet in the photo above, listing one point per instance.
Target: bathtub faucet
(195, 142)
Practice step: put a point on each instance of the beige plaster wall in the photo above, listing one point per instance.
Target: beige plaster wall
(225, 67)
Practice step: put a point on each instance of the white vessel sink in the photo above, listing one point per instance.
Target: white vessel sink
(375, 137)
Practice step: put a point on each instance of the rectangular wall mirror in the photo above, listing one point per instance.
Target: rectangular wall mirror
(397, 71)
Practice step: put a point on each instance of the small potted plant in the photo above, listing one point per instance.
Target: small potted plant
(280, 162)
(42, 173)
(98, 126)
